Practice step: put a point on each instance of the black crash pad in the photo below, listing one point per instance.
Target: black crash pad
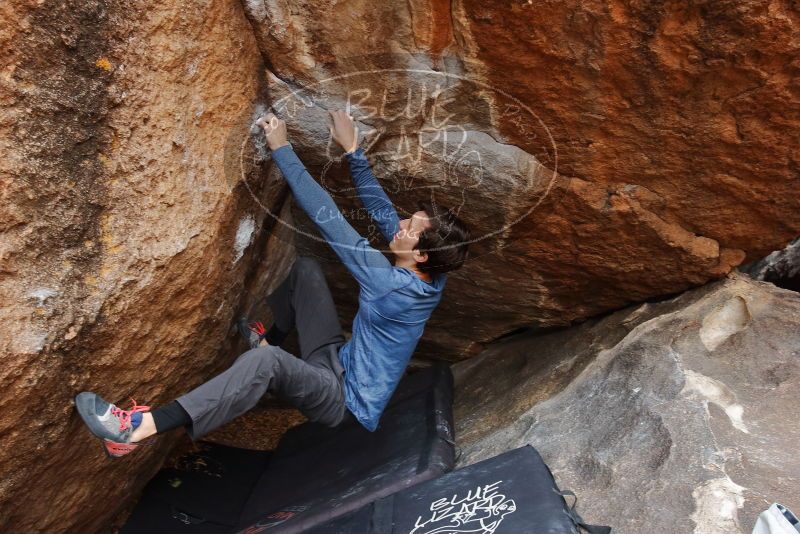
(204, 492)
(316, 473)
(513, 493)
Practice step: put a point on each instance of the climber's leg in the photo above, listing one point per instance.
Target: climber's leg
(313, 384)
(316, 390)
(161, 420)
(304, 301)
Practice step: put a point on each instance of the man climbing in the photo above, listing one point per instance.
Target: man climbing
(333, 379)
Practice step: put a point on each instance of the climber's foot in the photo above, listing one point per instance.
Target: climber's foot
(109, 423)
(253, 333)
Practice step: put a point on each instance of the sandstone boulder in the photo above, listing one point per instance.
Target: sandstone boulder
(128, 233)
(677, 416)
(604, 154)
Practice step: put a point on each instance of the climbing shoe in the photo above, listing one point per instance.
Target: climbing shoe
(253, 333)
(109, 423)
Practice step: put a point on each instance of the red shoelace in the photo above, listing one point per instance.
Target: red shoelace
(258, 328)
(124, 416)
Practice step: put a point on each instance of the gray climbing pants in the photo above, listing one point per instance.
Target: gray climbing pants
(313, 383)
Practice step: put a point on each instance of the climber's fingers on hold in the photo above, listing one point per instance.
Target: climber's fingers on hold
(338, 115)
(269, 122)
(263, 122)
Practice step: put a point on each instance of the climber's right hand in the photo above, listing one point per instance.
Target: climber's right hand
(344, 131)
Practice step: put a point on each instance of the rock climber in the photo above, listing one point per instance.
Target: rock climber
(333, 379)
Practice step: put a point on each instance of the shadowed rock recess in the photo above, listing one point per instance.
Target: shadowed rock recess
(603, 153)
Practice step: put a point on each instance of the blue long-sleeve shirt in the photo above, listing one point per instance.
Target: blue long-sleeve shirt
(393, 302)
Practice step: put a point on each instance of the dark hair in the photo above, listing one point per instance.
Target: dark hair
(445, 242)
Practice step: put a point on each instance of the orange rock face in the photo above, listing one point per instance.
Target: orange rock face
(127, 236)
(602, 153)
(605, 153)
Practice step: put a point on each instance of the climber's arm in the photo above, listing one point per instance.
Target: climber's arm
(379, 207)
(374, 198)
(368, 266)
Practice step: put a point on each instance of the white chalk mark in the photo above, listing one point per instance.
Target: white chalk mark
(244, 235)
(726, 320)
(717, 504)
(29, 341)
(42, 294)
(718, 393)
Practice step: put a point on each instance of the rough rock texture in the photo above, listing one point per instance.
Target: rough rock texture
(128, 231)
(667, 417)
(603, 153)
(611, 151)
(782, 267)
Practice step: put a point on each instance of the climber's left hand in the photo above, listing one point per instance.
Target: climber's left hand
(274, 129)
